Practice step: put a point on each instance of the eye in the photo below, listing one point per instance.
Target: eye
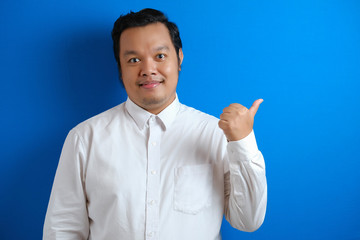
(160, 56)
(134, 60)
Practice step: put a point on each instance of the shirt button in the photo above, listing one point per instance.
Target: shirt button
(153, 143)
(153, 172)
(150, 234)
(152, 202)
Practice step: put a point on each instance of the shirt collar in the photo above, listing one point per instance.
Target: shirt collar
(141, 116)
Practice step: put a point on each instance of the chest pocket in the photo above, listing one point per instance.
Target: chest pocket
(193, 188)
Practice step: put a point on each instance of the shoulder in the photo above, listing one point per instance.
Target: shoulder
(196, 118)
(199, 125)
(196, 115)
(101, 120)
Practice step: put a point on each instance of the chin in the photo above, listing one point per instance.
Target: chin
(153, 100)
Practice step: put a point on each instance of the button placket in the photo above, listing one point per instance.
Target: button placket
(153, 179)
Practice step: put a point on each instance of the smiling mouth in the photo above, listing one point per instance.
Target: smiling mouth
(150, 84)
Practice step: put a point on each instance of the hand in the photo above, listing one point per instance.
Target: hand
(237, 121)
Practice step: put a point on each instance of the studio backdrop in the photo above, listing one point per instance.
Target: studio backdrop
(302, 57)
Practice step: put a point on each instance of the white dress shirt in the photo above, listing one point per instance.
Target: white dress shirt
(129, 174)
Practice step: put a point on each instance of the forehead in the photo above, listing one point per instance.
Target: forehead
(149, 36)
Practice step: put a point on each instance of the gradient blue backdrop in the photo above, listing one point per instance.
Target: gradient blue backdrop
(302, 57)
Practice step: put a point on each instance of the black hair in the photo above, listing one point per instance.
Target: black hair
(139, 19)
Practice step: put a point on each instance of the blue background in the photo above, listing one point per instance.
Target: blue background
(302, 57)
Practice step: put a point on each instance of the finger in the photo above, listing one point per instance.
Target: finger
(234, 107)
(223, 124)
(254, 108)
(225, 116)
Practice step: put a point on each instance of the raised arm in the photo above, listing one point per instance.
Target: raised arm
(245, 182)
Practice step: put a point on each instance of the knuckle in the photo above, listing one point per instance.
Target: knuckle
(223, 125)
(238, 114)
(243, 110)
(235, 105)
(226, 109)
(230, 125)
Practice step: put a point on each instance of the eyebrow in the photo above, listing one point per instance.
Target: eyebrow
(157, 49)
(129, 52)
(161, 48)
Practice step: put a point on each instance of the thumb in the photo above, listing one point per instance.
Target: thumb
(255, 106)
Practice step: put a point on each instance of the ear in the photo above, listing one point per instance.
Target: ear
(181, 57)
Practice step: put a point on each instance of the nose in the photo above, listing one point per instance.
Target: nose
(148, 68)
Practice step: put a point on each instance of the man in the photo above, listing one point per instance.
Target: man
(152, 168)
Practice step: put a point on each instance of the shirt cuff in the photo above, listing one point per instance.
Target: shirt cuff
(246, 147)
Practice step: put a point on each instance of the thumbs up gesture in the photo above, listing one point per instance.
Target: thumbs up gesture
(237, 121)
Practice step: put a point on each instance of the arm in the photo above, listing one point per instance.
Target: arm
(245, 182)
(245, 185)
(66, 216)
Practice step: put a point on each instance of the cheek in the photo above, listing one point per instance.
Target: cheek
(128, 80)
(128, 74)
(170, 69)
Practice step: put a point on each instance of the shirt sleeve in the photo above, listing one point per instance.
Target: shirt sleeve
(245, 185)
(66, 216)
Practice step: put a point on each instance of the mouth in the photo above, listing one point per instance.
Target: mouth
(149, 84)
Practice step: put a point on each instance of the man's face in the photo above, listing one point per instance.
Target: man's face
(149, 66)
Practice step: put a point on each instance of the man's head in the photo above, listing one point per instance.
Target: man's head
(148, 51)
(139, 19)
